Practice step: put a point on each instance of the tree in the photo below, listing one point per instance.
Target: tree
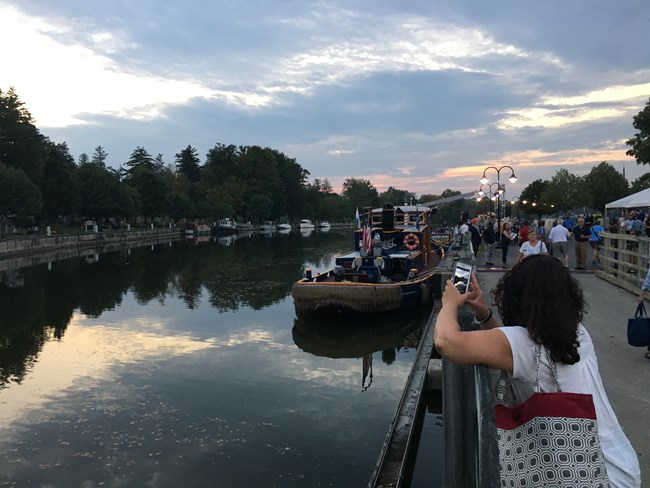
(396, 197)
(60, 196)
(641, 183)
(140, 158)
(532, 194)
(360, 193)
(83, 159)
(641, 141)
(152, 191)
(187, 163)
(21, 143)
(101, 193)
(605, 185)
(566, 191)
(99, 157)
(19, 197)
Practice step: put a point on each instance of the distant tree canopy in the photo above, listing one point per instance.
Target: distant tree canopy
(641, 141)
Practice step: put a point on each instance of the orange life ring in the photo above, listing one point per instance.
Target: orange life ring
(411, 242)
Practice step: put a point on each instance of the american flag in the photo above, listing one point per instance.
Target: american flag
(367, 238)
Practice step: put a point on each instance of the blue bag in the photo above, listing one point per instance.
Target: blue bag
(638, 328)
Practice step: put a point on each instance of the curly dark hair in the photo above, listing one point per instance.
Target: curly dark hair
(540, 294)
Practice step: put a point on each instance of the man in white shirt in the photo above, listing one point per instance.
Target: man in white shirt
(558, 237)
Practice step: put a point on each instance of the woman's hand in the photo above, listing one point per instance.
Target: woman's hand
(451, 295)
(475, 298)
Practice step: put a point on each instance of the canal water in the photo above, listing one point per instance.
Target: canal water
(183, 365)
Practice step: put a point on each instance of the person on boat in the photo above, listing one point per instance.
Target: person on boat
(522, 297)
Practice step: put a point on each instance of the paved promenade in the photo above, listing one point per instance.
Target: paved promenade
(624, 369)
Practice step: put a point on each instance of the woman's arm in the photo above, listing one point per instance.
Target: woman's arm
(489, 347)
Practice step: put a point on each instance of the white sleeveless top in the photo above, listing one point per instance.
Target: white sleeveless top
(583, 377)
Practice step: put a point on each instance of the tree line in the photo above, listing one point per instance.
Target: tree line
(41, 182)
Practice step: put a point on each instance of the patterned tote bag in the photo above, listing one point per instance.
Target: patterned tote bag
(551, 440)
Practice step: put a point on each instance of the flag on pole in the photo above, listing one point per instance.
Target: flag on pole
(367, 238)
(358, 219)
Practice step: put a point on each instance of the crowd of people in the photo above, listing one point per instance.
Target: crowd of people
(549, 235)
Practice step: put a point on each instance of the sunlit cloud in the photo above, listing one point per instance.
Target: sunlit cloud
(555, 112)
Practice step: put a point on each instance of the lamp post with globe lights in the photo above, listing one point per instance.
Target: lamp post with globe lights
(512, 179)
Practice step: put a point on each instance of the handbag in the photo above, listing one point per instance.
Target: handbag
(549, 440)
(638, 328)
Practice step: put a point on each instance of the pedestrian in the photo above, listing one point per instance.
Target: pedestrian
(540, 304)
(596, 241)
(476, 235)
(523, 232)
(489, 239)
(558, 236)
(532, 246)
(582, 234)
(505, 236)
(645, 287)
(548, 227)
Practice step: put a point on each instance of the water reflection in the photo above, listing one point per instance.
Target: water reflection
(38, 303)
(360, 337)
(177, 366)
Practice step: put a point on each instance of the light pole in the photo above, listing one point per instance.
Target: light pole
(512, 179)
(491, 194)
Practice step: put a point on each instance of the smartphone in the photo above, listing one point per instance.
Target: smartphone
(462, 275)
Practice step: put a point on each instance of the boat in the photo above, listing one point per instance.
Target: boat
(392, 266)
(192, 230)
(324, 224)
(306, 224)
(226, 226)
(284, 226)
(268, 226)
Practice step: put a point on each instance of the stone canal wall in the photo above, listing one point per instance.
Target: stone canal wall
(18, 253)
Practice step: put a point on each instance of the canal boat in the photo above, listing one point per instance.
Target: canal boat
(392, 266)
(324, 224)
(226, 226)
(284, 226)
(193, 230)
(306, 224)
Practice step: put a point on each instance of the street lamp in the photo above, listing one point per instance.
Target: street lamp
(512, 179)
(491, 194)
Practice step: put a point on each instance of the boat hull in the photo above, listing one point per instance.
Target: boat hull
(311, 296)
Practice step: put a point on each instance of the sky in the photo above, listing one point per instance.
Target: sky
(418, 95)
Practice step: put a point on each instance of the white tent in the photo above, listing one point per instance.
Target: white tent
(637, 200)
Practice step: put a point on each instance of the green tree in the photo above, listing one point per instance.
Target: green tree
(140, 158)
(21, 143)
(60, 196)
(220, 164)
(19, 197)
(566, 191)
(180, 206)
(396, 197)
(605, 185)
(360, 193)
(101, 193)
(99, 157)
(641, 183)
(187, 163)
(83, 158)
(641, 141)
(532, 194)
(152, 191)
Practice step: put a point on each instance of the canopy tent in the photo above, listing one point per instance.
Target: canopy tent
(637, 200)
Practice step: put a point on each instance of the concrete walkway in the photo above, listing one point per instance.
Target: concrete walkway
(624, 369)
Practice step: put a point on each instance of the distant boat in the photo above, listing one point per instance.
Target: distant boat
(226, 226)
(324, 224)
(284, 226)
(306, 224)
(193, 229)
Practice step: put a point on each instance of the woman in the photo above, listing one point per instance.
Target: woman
(532, 246)
(523, 297)
(505, 241)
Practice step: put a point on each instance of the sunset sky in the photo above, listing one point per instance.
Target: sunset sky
(419, 95)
